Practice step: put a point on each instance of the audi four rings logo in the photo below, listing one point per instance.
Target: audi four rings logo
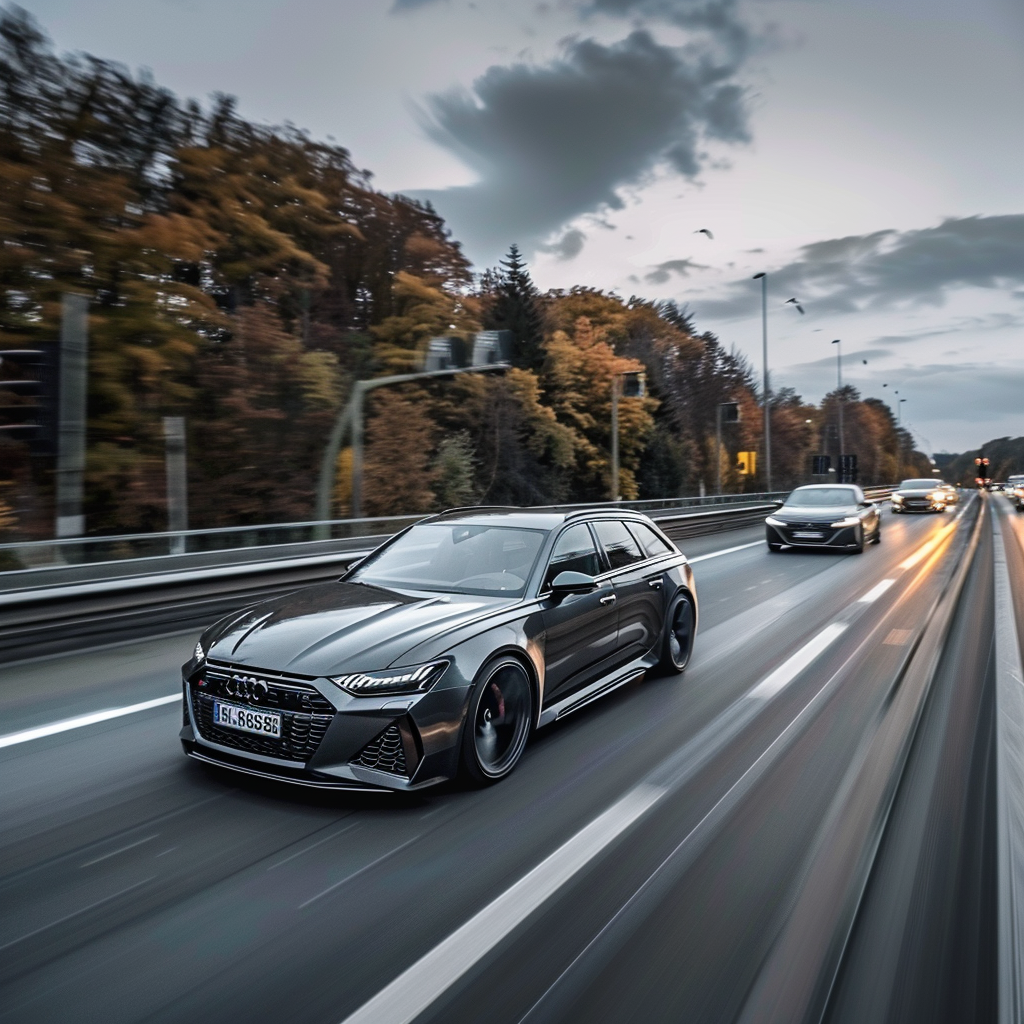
(247, 688)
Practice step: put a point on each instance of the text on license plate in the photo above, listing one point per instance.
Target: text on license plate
(262, 723)
(807, 534)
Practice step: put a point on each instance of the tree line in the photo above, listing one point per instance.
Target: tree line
(244, 276)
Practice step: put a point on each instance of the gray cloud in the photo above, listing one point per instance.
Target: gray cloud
(401, 6)
(663, 271)
(552, 141)
(568, 247)
(890, 268)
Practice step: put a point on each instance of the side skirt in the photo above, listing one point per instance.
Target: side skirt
(595, 691)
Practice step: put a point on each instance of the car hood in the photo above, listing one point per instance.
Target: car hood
(814, 513)
(340, 627)
(916, 492)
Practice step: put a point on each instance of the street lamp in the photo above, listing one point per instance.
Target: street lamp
(630, 384)
(763, 278)
(839, 397)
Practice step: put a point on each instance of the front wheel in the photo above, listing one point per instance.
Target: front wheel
(858, 548)
(498, 721)
(680, 627)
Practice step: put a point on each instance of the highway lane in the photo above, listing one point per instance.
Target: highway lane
(139, 886)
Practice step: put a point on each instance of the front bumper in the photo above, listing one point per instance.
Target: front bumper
(329, 739)
(918, 505)
(830, 537)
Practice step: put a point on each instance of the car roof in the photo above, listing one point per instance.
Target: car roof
(530, 518)
(823, 487)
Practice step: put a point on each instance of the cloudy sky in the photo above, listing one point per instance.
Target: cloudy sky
(866, 154)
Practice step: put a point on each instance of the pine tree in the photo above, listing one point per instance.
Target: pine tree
(516, 308)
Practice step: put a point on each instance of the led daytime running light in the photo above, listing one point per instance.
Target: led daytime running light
(198, 654)
(408, 680)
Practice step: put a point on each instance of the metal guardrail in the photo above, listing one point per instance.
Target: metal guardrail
(65, 607)
(91, 550)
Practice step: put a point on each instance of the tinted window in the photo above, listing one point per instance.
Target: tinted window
(574, 552)
(456, 558)
(618, 543)
(820, 496)
(649, 540)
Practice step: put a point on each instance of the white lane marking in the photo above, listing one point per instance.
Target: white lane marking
(796, 663)
(875, 592)
(365, 867)
(416, 988)
(726, 551)
(122, 849)
(80, 721)
(313, 846)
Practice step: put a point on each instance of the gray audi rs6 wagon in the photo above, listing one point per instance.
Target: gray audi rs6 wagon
(438, 653)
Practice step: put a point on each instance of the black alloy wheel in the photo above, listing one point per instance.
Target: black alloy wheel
(498, 722)
(680, 626)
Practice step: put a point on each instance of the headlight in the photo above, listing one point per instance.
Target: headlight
(938, 496)
(897, 499)
(198, 654)
(848, 521)
(399, 680)
(772, 521)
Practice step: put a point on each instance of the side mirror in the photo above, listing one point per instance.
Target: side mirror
(566, 583)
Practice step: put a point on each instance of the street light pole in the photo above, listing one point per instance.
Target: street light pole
(615, 438)
(351, 417)
(763, 278)
(839, 399)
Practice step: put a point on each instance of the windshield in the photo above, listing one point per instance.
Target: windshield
(456, 558)
(919, 485)
(816, 496)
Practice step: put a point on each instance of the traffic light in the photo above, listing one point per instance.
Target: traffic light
(746, 463)
(28, 397)
(634, 384)
(847, 469)
(821, 464)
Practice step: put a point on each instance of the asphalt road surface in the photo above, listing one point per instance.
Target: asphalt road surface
(690, 849)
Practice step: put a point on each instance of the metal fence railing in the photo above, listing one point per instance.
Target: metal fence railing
(336, 534)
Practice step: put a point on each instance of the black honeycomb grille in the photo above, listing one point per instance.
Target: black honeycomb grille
(305, 714)
(385, 753)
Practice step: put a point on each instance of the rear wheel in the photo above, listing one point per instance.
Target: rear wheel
(498, 722)
(680, 627)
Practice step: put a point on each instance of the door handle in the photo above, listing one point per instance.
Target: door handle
(608, 599)
(656, 584)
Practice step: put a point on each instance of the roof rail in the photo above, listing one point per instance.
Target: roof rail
(598, 511)
(486, 508)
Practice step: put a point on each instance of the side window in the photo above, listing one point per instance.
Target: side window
(649, 540)
(574, 552)
(618, 543)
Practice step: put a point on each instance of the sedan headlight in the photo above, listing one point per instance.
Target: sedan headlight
(897, 499)
(848, 521)
(399, 680)
(772, 521)
(198, 654)
(938, 496)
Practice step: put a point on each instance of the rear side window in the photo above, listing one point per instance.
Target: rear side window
(574, 552)
(649, 540)
(618, 543)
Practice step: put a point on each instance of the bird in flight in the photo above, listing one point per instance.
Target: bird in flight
(795, 303)
(704, 231)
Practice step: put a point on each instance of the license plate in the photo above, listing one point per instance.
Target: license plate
(262, 723)
(807, 535)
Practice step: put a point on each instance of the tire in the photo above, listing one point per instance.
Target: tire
(498, 721)
(859, 549)
(878, 535)
(678, 634)
(774, 547)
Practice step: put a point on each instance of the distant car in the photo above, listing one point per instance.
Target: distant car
(1015, 491)
(836, 516)
(441, 652)
(919, 495)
